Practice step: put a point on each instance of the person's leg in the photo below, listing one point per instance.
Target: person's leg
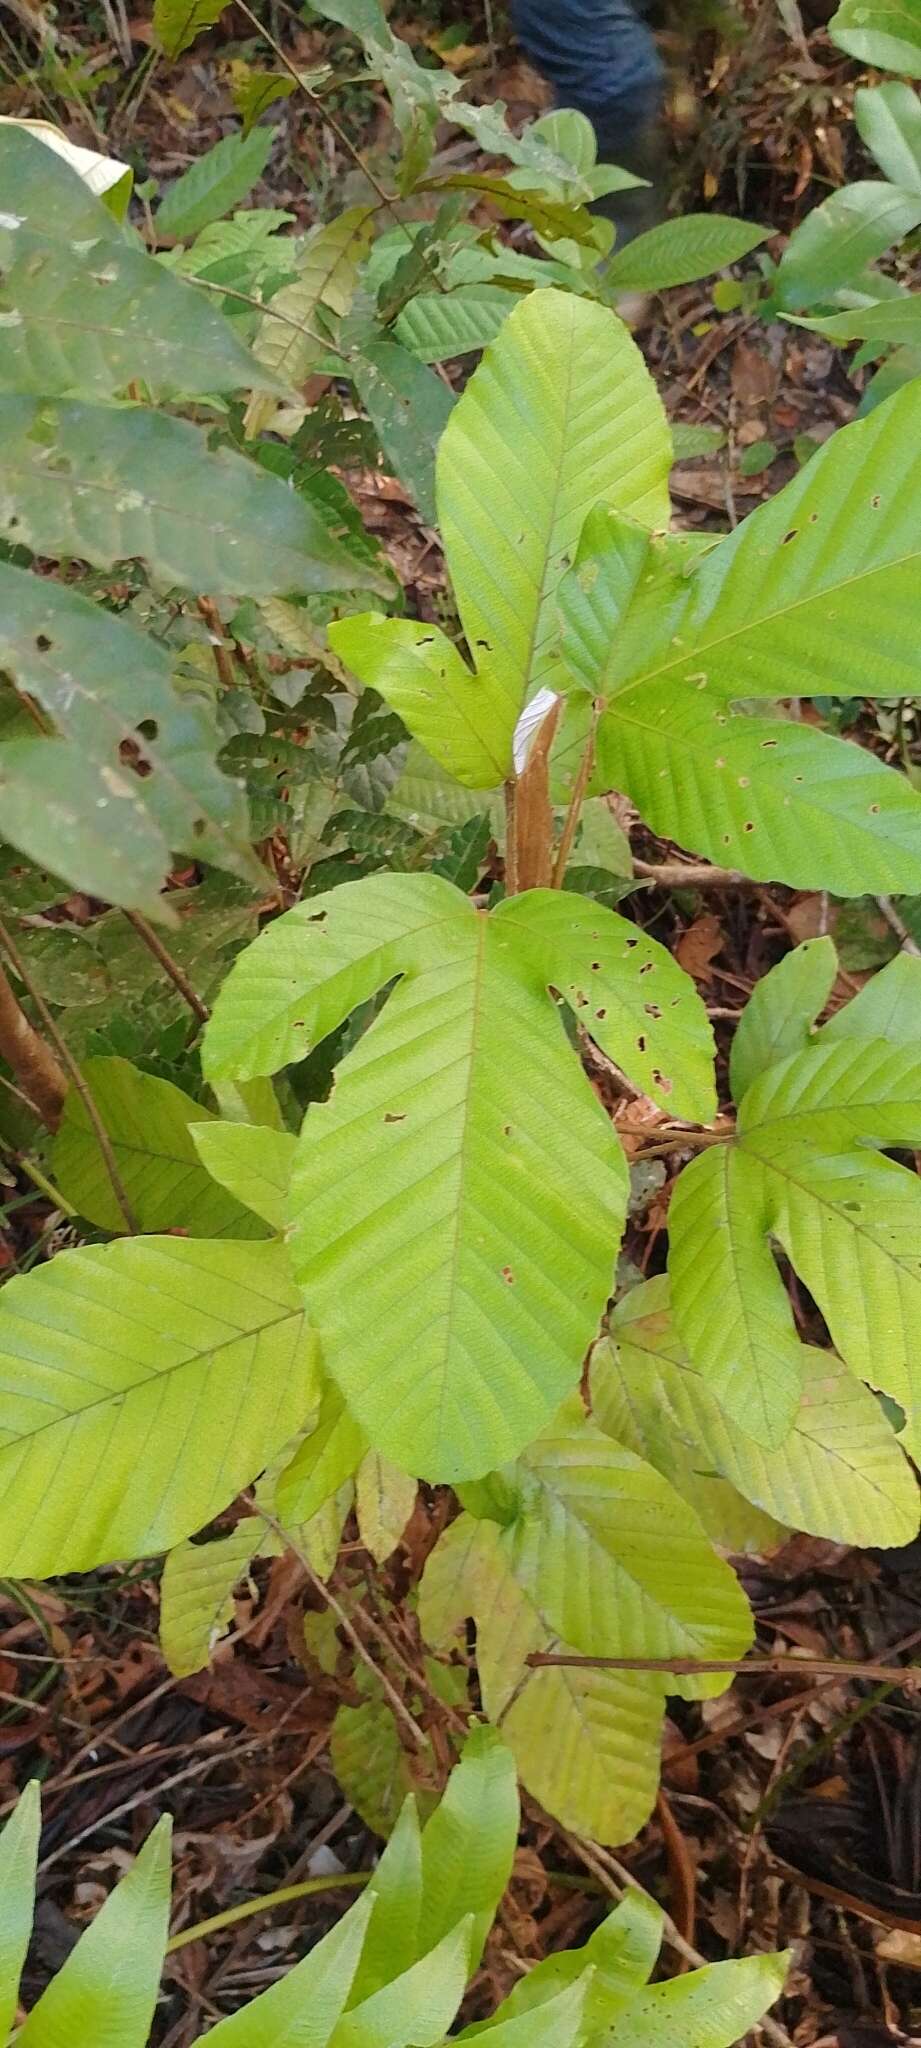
(600, 56)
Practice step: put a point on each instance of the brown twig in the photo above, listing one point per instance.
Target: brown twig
(534, 811)
(68, 1062)
(179, 979)
(679, 874)
(777, 1667)
(215, 625)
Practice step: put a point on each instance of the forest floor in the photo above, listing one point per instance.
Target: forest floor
(790, 1811)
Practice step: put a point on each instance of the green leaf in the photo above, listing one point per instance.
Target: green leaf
(251, 1162)
(839, 1474)
(303, 2009)
(106, 1991)
(618, 1564)
(891, 323)
(888, 119)
(560, 2024)
(436, 1170)
(886, 1006)
(680, 251)
(465, 720)
(561, 413)
(468, 1845)
(710, 2008)
(384, 1500)
(729, 1302)
(253, 92)
(107, 483)
(883, 32)
(369, 1762)
(780, 1016)
(70, 802)
(415, 2009)
(586, 1742)
(436, 325)
(148, 1123)
(392, 1942)
(146, 1382)
(409, 408)
(177, 22)
(833, 245)
(83, 311)
(330, 1452)
(815, 588)
(288, 343)
(214, 184)
(430, 799)
(619, 1958)
(196, 1594)
(18, 1864)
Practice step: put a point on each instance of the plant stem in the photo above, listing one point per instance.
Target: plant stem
(679, 874)
(68, 1062)
(348, 1880)
(43, 1079)
(780, 1667)
(576, 801)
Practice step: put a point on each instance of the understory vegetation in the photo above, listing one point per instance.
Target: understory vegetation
(406, 1238)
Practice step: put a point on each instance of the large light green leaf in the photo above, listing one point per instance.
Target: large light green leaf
(710, 2008)
(836, 241)
(302, 2010)
(730, 1304)
(782, 1010)
(147, 1121)
(83, 311)
(252, 1162)
(214, 184)
(814, 591)
(106, 1991)
(468, 1845)
(883, 32)
(888, 119)
(453, 1224)
(681, 250)
(196, 1593)
(72, 804)
(802, 1172)
(463, 718)
(561, 414)
(586, 1741)
(145, 1383)
(177, 22)
(617, 1563)
(840, 1473)
(105, 483)
(18, 1863)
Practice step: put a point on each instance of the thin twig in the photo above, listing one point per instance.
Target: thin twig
(679, 874)
(215, 624)
(151, 939)
(778, 1667)
(897, 924)
(266, 307)
(400, 1709)
(69, 1063)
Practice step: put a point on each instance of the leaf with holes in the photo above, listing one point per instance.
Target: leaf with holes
(452, 1222)
(146, 1382)
(176, 23)
(105, 483)
(196, 1593)
(560, 414)
(83, 310)
(814, 591)
(802, 1172)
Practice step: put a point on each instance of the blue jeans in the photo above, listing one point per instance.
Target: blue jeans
(600, 56)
